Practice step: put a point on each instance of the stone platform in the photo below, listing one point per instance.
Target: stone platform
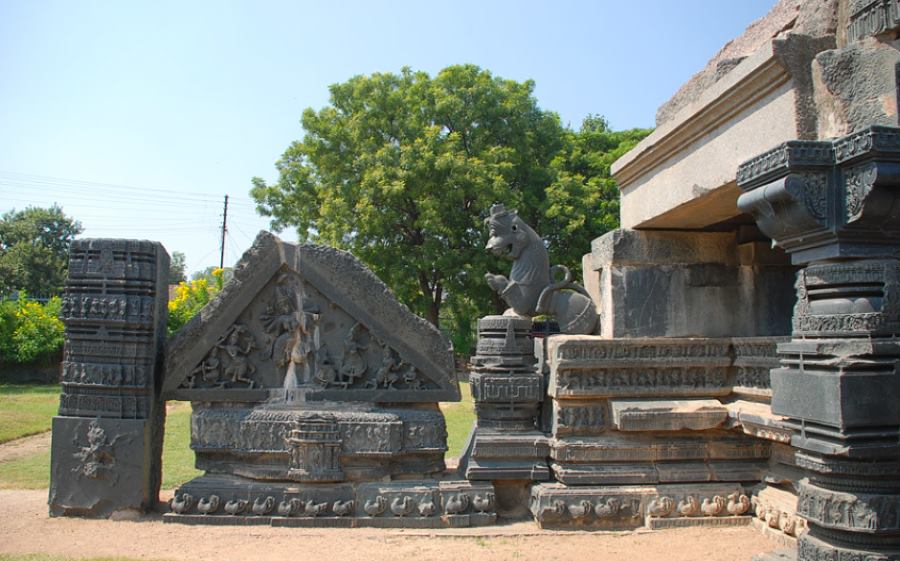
(222, 499)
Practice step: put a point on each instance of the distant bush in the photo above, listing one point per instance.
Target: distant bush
(191, 296)
(29, 329)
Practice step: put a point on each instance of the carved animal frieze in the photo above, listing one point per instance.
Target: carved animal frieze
(580, 510)
(208, 505)
(427, 508)
(262, 507)
(483, 503)
(342, 508)
(235, 506)
(289, 507)
(661, 507)
(376, 506)
(689, 506)
(713, 506)
(456, 504)
(403, 506)
(738, 504)
(181, 504)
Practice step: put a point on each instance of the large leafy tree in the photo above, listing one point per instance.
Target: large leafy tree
(34, 249)
(401, 170)
(582, 202)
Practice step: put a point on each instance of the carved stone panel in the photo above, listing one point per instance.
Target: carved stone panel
(314, 325)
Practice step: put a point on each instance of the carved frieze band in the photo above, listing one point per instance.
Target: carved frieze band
(506, 389)
(594, 352)
(849, 511)
(790, 155)
(844, 282)
(873, 18)
(673, 381)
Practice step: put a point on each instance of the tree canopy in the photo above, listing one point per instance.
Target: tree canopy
(401, 170)
(177, 267)
(34, 249)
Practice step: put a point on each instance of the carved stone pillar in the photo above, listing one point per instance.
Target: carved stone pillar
(834, 206)
(508, 390)
(107, 438)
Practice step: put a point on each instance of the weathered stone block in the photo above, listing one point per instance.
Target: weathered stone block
(584, 367)
(100, 466)
(686, 284)
(603, 508)
(838, 383)
(114, 310)
(856, 87)
(667, 415)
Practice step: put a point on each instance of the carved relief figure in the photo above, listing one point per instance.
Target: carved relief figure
(530, 289)
(97, 458)
(293, 333)
(353, 364)
(388, 373)
(237, 344)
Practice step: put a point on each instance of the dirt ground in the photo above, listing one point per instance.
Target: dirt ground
(21, 447)
(26, 528)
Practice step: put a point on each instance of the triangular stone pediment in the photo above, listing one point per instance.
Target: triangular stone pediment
(312, 321)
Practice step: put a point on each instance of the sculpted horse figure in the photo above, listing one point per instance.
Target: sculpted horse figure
(531, 289)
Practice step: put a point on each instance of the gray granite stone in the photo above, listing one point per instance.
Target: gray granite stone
(314, 322)
(667, 415)
(107, 439)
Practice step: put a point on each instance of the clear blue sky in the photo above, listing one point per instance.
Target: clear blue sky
(137, 117)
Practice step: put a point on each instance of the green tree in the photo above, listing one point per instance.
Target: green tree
(402, 169)
(176, 268)
(34, 249)
(582, 202)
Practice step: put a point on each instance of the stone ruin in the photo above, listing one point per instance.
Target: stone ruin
(731, 359)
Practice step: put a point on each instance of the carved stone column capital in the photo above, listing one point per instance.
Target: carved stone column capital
(823, 200)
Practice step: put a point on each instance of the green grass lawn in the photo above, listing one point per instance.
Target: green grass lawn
(32, 472)
(26, 409)
(460, 418)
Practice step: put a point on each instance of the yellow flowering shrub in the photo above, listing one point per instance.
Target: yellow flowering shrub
(29, 329)
(191, 296)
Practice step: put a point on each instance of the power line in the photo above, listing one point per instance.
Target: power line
(26, 180)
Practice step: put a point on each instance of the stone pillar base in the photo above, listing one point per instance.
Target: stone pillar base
(100, 466)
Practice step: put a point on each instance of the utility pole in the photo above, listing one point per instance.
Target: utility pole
(224, 229)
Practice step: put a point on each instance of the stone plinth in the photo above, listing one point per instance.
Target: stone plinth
(107, 438)
(645, 411)
(315, 396)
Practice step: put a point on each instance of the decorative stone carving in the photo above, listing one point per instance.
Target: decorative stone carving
(107, 439)
(530, 289)
(508, 390)
(841, 362)
(315, 449)
(315, 401)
